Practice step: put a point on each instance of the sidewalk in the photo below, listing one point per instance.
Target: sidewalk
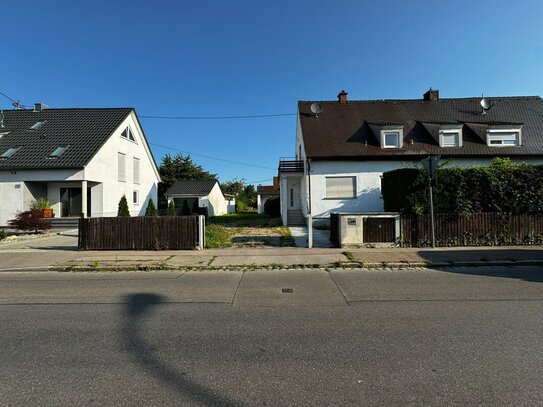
(60, 253)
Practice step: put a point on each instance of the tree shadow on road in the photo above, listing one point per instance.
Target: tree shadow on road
(137, 305)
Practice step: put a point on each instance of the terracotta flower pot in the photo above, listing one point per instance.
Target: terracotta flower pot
(47, 213)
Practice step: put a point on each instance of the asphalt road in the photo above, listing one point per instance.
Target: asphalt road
(444, 337)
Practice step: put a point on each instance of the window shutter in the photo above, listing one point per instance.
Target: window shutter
(122, 167)
(340, 187)
(136, 170)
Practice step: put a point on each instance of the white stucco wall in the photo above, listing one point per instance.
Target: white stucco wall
(216, 202)
(103, 168)
(368, 182)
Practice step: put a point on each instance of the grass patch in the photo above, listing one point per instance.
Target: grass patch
(243, 219)
(217, 236)
(349, 255)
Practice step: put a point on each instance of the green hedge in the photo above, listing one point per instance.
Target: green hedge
(501, 186)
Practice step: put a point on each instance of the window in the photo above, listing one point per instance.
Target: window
(136, 170)
(58, 152)
(450, 136)
(127, 134)
(503, 138)
(122, 167)
(36, 126)
(9, 152)
(4, 134)
(391, 137)
(135, 197)
(340, 187)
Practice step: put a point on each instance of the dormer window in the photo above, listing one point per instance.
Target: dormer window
(450, 136)
(391, 137)
(57, 152)
(9, 152)
(503, 137)
(127, 134)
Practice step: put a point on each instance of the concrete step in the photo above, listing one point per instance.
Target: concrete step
(64, 223)
(295, 218)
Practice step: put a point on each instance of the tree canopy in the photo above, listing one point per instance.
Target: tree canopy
(181, 167)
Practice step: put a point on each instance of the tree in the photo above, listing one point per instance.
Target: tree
(29, 220)
(171, 209)
(123, 207)
(245, 194)
(151, 209)
(181, 167)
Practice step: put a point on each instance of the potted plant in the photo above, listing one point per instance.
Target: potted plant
(43, 205)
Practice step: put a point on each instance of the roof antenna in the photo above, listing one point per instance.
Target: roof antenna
(485, 104)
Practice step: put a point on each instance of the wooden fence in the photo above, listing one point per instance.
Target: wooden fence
(140, 233)
(478, 229)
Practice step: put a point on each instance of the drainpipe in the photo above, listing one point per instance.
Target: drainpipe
(309, 215)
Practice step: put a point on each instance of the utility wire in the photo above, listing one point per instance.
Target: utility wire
(213, 158)
(257, 116)
(16, 103)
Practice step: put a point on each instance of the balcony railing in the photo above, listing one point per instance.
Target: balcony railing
(290, 165)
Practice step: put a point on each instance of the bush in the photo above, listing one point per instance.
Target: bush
(2, 234)
(123, 207)
(240, 206)
(502, 186)
(151, 209)
(29, 220)
(171, 209)
(272, 207)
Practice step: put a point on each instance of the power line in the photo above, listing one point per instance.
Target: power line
(213, 158)
(16, 103)
(257, 116)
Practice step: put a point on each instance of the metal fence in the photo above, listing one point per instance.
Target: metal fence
(142, 233)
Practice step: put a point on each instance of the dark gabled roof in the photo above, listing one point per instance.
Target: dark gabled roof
(348, 131)
(191, 188)
(82, 131)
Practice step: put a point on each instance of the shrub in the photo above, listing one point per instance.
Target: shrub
(123, 207)
(171, 209)
(272, 207)
(151, 209)
(2, 234)
(240, 206)
(29, 220)
(41, 203)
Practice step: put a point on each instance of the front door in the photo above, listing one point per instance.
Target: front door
(294, 196)
(71, 202)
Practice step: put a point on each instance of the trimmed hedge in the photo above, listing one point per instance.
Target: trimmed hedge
(501, 186)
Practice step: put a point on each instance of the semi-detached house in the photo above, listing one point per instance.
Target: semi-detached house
(343, 147)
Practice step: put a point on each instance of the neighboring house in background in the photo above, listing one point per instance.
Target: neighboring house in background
(82, 160)
(265, 192)
(343, 147)
(203, 194)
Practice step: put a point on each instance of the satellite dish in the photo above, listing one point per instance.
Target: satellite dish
(316, 108)
(485, 104)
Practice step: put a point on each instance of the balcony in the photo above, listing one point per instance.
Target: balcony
(290, 165)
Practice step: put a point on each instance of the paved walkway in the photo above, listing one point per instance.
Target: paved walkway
(320, 237)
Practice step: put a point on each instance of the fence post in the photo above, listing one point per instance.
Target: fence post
(201, 231)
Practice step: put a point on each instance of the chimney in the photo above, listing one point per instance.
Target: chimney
(38, 107)
(342, 97)
(431, 95)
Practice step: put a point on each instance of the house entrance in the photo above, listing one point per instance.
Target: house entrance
(71, 204)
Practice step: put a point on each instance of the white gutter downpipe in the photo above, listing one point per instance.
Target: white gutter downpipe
(309, 215)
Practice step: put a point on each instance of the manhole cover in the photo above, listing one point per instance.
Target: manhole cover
(286, 290)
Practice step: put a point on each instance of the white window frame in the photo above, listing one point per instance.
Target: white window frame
(135, 197)
(350, 177)
(503, 134)
(450, 130)
(392, 129)
(129, 133)
(121, 174)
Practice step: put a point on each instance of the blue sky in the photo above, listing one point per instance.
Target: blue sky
(221, 58)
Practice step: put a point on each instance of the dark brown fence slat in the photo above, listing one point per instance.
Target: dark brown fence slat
(141, 233)
(477, 229)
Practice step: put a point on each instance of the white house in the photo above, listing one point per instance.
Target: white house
(343, 147)
(200, 194)
(82, 160)
(266, 192)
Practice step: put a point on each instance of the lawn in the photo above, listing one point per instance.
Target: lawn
(246, 229)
